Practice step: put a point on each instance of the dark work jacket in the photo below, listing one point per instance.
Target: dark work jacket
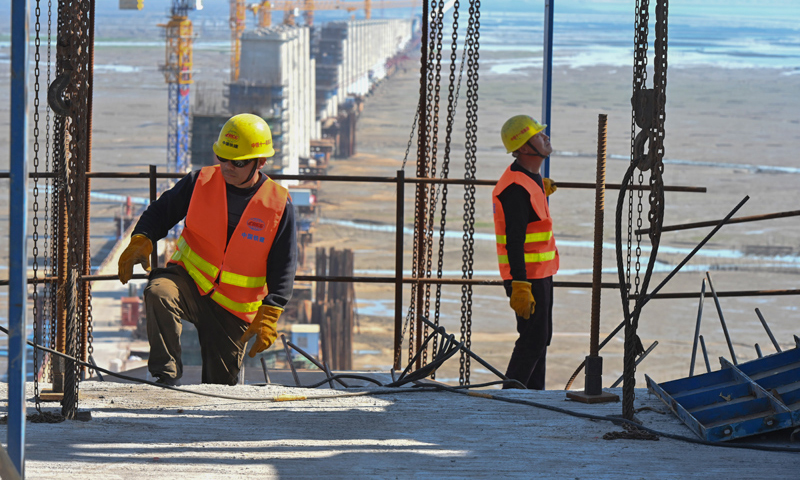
(172, 206)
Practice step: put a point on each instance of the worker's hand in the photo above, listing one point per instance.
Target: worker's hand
(549, 186)
(522, 299)
(138, 251)
(264, 328)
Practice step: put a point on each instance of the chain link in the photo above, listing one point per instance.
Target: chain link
(37, 42)
(73, 77)
(473, 57)
(648, 115)
(452, 100)
(433, 193)
(47, 315)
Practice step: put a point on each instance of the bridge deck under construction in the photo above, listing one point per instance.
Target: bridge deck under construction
(139, 431)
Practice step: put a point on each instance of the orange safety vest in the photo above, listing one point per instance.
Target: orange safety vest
(541, 254)
(234, 275)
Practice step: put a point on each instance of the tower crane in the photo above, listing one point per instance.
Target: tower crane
(178, 75)
(237, 23)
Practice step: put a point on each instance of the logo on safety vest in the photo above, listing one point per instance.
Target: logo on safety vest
(256, 224)
(252, 237)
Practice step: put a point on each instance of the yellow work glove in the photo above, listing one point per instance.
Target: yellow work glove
(549, 186)
(138, 251)
(264, 328)
(522, 299)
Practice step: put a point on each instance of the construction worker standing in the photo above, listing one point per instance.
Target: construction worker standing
(526, 248)
(233, 270)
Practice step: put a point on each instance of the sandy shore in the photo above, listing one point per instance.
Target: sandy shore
(728, 117)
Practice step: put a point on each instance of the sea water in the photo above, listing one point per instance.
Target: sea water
(722, 34)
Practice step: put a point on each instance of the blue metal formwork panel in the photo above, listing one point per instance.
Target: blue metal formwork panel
(739, 400)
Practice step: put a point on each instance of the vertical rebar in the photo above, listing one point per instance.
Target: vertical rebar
(769, 332)
(266, 372)
(705, 353)
(594, 363)
(599, 213)
(697, 326)
(722, 319)
(289, 360)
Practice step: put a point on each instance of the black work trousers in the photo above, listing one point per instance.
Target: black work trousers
(528, 359)
(170, 297)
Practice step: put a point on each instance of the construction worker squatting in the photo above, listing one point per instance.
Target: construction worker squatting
(233, 270)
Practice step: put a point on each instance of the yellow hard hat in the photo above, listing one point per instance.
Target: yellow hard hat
(518, 130)
(243, 137)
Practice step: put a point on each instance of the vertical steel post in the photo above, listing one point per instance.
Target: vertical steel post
(398, 268)
(17, 234)
(547, 73)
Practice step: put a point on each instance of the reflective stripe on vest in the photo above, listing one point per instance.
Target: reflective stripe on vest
(205, 285)
(531, 257)
(185, 251)
(251, 307)
(242, 281)
(232, 271)
(529, 237)
(540, 254)
(202, 282)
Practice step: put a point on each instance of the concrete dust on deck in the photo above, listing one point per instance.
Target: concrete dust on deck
(139, 431)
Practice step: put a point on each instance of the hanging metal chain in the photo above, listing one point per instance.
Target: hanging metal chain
(473, 45)
(452, 102)
(642, 16)
(422, 149)
(36, 310)
(435, 58)
(411, 137)
(49, 266)
(68, 95)
(649, 116)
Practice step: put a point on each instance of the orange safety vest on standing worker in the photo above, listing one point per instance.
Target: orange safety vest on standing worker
(234, 274)
(541, 254)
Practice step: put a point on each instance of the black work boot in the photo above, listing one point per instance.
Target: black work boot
(165, 380)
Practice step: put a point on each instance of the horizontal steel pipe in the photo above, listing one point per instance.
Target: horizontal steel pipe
(369, 179)
(325, 278)
(711, 223)
(733, 293)
(462, 281)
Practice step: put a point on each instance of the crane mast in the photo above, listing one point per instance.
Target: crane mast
(178, 76)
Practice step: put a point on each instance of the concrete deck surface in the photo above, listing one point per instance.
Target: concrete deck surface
(139, 431)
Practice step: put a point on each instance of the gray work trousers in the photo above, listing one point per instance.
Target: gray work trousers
(172, 296)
